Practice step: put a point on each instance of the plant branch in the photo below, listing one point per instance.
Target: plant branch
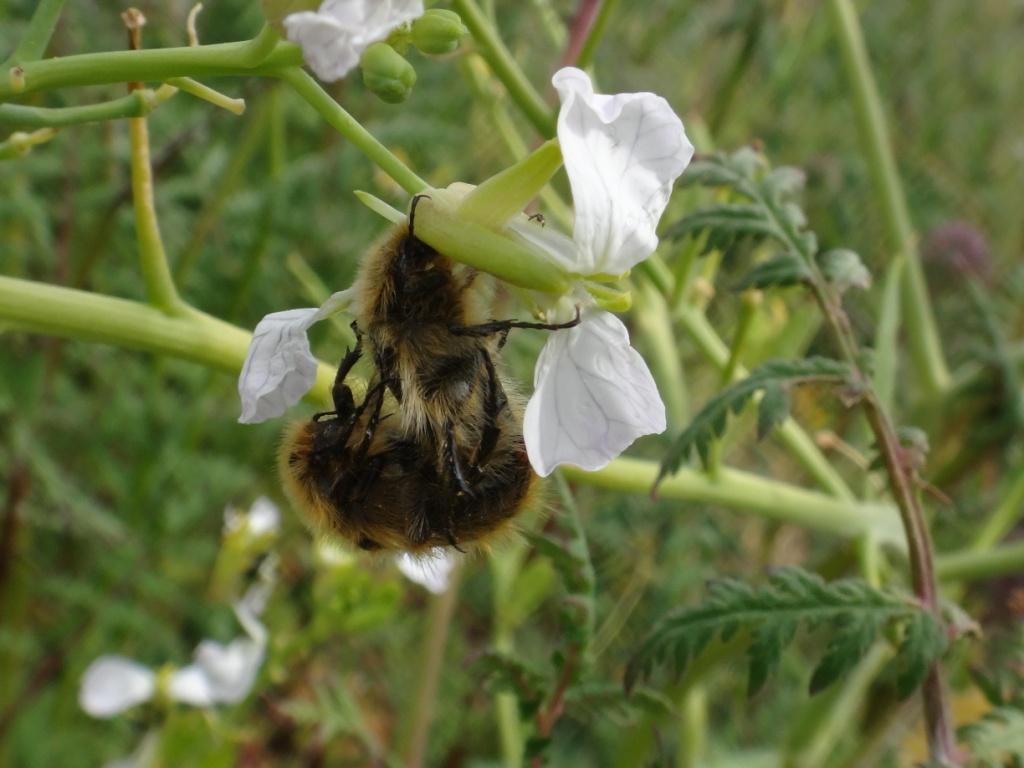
(747, 492)
(151, 65)
(923, 336)
(136, 104)
(351, 129)
(73, 314)
(973, 565)
(519, 88)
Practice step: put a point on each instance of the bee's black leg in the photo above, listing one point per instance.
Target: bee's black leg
(377, 393)
(495, 401)
(454, 462)
(341, 394)
(504, 326)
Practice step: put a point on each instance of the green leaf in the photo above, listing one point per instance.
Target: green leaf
(724, 224)
(590, 700)
(844, 269)
(772, 410)
(852, 611)
(923, 642)
(711, 421)
(997, 738)
(779, 272)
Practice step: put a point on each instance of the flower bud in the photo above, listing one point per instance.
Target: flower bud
(438, 31)
(386, 73)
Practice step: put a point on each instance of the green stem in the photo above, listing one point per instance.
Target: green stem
(656, 334)
(442, 609)
(791, 434)
(505, 67)
(925, 344)
(73, 314)
(744, 491)
(1005, 516)
(37, 37)
(972, 565)
(152, 65)
(135, 104)
(351, 129)
(157, 275)
(596, 33)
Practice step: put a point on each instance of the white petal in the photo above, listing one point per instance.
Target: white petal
(623, 153)
(264, 517)
(221, 674)
(327, 46)
(333, 39)
(429, 571)
(279, 368)
(113, 684)
(593, 396)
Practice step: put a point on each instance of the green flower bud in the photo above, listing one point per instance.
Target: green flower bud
(386, 73)
(438, 31)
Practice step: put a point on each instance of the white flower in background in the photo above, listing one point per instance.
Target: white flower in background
(593, 393)
(113, 684)
(430, 571)
(334, 37)
(262, 519)
(220, 674)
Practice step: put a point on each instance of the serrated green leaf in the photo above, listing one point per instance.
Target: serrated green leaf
(592, 699)
(853, 611)
(772, 410)
(923, 642)
(724, 224)
(852, 639)
(844, 269)
(996, 739)
(781, 271)
(711, 421)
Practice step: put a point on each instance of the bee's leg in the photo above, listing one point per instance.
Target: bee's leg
(495, 401)
(377, 393)
(387, 363)
(504, 326)
(454, 462)
(341, 394)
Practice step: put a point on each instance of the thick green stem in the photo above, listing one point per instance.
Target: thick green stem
(735, 489)
(148, 65)
(84, 316)
(351, 129)
(922, 333)
(37, 37)
(789, 432)
(505, 67)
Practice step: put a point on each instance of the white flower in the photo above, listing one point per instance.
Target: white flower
(113, 684)
(279, 368)
(220, 674)
(593, 396)
(593, 393)
(429, 571)
(262, 519)
(334, 37)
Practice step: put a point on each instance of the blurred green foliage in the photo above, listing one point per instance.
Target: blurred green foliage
(115, 467)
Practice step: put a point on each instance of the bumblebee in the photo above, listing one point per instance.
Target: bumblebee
(434, 454)
(359, 476)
